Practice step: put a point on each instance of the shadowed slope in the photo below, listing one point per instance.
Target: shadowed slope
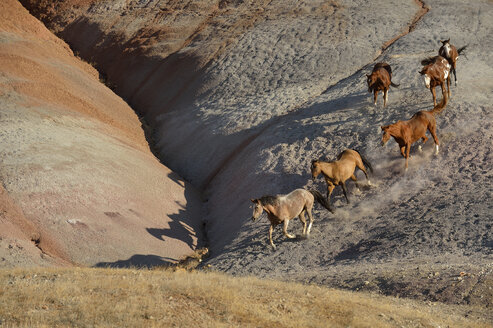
(78, 177)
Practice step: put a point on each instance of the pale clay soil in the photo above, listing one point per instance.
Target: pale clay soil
(240, 98)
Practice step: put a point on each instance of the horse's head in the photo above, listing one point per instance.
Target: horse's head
(315, 168)
(386, 134)
(446, 48)
(257, 209)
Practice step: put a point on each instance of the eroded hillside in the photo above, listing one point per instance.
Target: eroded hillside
(79, 183)
(243, 95)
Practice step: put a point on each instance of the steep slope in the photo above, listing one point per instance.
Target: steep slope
(80, 184)
(243, 96)
(207, 74)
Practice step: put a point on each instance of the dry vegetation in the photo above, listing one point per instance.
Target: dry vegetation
(80, 297)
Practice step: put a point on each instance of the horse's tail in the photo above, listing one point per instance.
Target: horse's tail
(394, 85)
(440, 106)
(461, 49)
(321, 200)
(365, 161)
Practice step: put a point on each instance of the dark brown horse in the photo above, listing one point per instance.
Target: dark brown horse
(282, 208)
(436, 71)
(450, 52)
(380, 79)
(405, 133)
(337, 172)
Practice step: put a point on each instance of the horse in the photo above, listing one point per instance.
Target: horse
(405, 133)
(282, 208)
(436, 71)
(337, 172)
(450, 52)
(380, 79)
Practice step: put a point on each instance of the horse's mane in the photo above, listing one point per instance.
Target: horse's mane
(269, 200)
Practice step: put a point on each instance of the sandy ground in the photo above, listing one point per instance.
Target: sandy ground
(79, 183)
(244, 97)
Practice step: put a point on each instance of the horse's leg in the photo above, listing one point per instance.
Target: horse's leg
(432, 130)
(270, 236)
(403, 149)
(455, 75)
(359, 164)
(330, 189)
(375, 94)
(285, 230)
(448, 85)
(408, 149)
(353, 177)
(434, 96)
(303, 220)
(343, 185)
(424, 138)
(385, 96)
(310, 216)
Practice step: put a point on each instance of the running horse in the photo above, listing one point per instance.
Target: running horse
(337, 172)
(405, 133)
(450, 52)
(283, 208)
(380, 79)
(436, 71)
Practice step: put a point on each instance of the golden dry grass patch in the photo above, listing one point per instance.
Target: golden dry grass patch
(69, 297)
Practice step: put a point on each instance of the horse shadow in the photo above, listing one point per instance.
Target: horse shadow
(138, 261)
(183, 226)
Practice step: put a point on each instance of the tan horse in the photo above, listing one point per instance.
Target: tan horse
(336, 173)
(405, 133)
(282, 208)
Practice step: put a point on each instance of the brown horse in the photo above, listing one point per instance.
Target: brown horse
(436, 71)
(450, 52)
(282, 208)
(380, 79)
(405, 133)
(336, 173)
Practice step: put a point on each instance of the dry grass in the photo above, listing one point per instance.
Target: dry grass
(80, 297)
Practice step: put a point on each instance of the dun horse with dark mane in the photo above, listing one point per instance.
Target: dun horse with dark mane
(282, 208)
(450, 52)
(380, 79)
(405, 133)
(337, 172)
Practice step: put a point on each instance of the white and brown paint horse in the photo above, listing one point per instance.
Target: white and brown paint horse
(450, 52)
(380, 79)
(337, 172)
(282, 208)
(405, 133)
(436, 71)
